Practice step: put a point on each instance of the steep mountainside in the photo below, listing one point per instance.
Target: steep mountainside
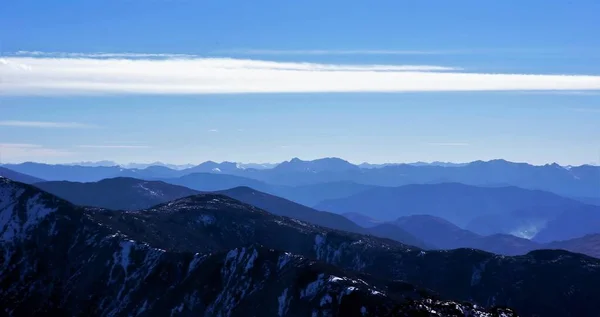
(58, 259)
(117, 193)
(207, 223)
(19, 177)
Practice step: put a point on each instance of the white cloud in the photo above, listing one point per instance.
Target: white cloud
(449, 144)
(43, 124)
(99, 55)
(76, 76)
(341, 52)
(115, 146)
(213, 130)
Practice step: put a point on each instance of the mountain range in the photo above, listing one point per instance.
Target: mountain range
(423, 231)
(580, 182)
(117, 193)
(134, 194)
(483, 210)
(213, 254)
(322, 237)
(19, 177)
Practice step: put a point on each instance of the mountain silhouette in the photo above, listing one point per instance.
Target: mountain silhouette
(577, 181)
(445, 235)
(124, 250)
(19, 177)
(216, 181)
(117, 193)
(458, 203)
(62, 260)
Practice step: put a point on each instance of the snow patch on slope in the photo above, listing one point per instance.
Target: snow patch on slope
(14, 223)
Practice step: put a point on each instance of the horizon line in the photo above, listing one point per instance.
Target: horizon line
(160, 163)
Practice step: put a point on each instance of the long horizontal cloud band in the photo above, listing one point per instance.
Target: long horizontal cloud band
(74, 76)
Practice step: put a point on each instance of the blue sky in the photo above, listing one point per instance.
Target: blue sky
(264, 81)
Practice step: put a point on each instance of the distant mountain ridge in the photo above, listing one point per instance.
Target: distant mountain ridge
(543, 216)
(456, 202)
(423, 231)
(445, 235)
(328, 164)
(578, 181)
(135, 194)
(117, 193)
(442, 234)
(19, 177)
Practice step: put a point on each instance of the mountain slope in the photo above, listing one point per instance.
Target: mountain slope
(19, 177)
(588, 244)
(283, 207)
(389, 231)
(458, 203)
(580, 181)
(65, 172)
(311, 195)
(362, 220)
(117, 193)
(445, 235)
(215, 182)
(328, 164)
(57, 260)
(134, 194)
(206, 223)
(214, 167)
(152, 172)
(571, 224)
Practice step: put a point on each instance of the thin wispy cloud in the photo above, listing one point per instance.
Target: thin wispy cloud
(78, 76)
(520, 51)
(114, 146)
(44, 124)
(98, 55)
(213, 130)
(341, 52)
(448, 144)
